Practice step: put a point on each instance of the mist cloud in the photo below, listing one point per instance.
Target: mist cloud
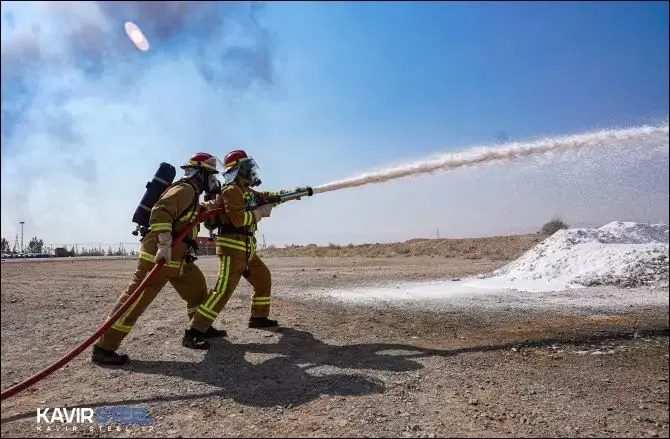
(58, 56)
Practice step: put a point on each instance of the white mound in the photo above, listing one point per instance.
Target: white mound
(624, 254)
(620, 261)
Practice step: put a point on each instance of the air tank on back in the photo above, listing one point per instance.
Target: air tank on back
(163, 178)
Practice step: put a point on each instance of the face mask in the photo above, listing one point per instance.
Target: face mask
(213, 185)
(253, 177)
(249, 170)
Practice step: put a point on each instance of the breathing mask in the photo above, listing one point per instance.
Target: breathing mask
(246, 169)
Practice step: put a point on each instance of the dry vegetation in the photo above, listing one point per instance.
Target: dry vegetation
(497, 248)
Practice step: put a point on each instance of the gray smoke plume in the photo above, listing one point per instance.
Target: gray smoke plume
(92, 34)
(81, 48)
(89, 36)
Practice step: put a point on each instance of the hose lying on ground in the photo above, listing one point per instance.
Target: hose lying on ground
(112, 319)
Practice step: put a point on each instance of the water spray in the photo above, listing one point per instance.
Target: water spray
(479, 156)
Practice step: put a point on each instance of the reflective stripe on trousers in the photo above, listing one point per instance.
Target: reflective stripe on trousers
(207, 309)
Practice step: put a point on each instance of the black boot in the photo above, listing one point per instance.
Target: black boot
(262, 322)
(194, 339)
(212, 332)
(104, 357)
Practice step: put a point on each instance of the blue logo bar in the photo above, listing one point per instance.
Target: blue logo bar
(123, 415)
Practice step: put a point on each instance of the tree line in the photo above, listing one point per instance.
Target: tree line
(37, 245)
(34, 246)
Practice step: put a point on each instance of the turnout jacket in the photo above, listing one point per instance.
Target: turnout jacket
(176, 207)
(236, 225)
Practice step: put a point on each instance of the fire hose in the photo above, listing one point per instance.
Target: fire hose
(133, 297)
(112, 319)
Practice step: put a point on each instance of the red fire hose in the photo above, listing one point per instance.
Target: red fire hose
(127, 304)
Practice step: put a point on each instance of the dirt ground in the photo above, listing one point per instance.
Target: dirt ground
(335, 369)
(494, 248)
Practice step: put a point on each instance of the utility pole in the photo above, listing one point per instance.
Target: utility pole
(263, 241)
(22, 223)
(438, 233)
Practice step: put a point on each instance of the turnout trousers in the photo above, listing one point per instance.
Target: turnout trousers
(185, 277)
(233, 265)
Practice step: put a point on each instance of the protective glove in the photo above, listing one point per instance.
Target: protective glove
(164, 247)
(262, 212)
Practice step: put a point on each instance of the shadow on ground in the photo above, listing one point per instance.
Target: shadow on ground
(283, 379)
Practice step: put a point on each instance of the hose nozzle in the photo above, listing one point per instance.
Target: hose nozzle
(302, 192)
(295, 195)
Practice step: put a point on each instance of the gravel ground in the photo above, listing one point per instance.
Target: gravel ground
(341, 368)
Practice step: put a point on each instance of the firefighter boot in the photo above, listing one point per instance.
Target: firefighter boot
(104, 357)
(212, 332)
(262, 322)
(194, 339)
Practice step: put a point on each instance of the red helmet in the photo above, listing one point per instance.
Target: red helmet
(234, 158)
(239, 163)
(202, 160)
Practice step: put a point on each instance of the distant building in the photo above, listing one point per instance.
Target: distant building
(62, 252)
(205, 246)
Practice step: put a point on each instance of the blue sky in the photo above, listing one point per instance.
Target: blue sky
(322, 91)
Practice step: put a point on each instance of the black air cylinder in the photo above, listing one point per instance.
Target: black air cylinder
(155, 188)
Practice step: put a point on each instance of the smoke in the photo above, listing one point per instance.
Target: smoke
(56, 54)
(656, 135)
(92, 33)
(87, 39)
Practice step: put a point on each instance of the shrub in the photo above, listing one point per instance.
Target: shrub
(553, 226)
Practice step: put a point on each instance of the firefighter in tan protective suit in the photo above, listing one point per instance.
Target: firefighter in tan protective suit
(178, 205)
(236, 244)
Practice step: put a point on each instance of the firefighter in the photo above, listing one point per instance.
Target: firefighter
(236, 244)
(178, 205)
